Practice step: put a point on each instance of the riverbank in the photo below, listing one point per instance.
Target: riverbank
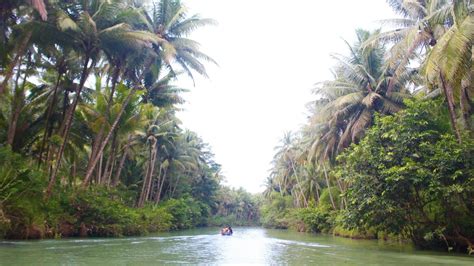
(324, 220)
(96, 213)
(105, 212)
(409, 176)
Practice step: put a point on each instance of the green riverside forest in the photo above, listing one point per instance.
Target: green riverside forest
(91, 144)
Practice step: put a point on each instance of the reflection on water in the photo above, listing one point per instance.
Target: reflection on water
(206, 246)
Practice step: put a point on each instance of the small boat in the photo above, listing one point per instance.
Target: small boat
(226, 231)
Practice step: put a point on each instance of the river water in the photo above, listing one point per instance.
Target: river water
(206, 246)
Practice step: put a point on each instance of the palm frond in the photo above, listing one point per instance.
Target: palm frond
(398, 22)
(185, 27)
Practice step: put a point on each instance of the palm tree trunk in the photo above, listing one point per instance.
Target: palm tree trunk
(18, 102)
(99, 169)
(14, 107)
(102, 129)
(305, 202)
(95, 147)
(466, 103)
(317, 192)
(109, 135)
(115, 77)
(280, 185)
(110, 166)
(107, 166)
(448, 93)
(177, 183)
(74, 170)
(341, 190)
(158, 182)
(65, 108)
(67, 127)
(141, 199)
(47, 131)
(109, 178)
(158, 196)
(329, 187)
(122, 162)
(148, 176)
(21, 51)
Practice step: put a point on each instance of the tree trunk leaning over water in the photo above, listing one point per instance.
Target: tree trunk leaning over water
(67, 125)
(109, 135)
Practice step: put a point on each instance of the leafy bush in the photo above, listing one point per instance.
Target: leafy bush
(325, 199)
(410, 176)
(101, 215)
(275, 213)
(101, 212)
(315, 220)
(186, 212)
(154, 219)
(21, 204)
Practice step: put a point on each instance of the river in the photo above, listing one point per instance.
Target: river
(206, 246)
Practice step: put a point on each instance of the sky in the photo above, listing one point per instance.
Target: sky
(270, 53)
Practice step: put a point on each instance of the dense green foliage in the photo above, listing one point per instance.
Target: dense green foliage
(235, 207)
(89, 139)
(410, 176)
(388, 148)
(90, 144)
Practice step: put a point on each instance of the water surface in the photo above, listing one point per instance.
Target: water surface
(206, 246)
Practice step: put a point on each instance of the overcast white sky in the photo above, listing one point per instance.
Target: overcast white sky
(270, 54)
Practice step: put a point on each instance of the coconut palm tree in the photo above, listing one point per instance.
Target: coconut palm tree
(160, 134)
(362, 86)
(95, 29)
(449, 64)
(12, 48)
(421, 25)
(440, 33)
(413, 35)
(169, 30)
(171, 22)
(288, 168)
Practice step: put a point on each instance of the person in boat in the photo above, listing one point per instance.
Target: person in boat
(226, 231)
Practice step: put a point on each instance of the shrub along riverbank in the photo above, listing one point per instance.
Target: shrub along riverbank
(408, 178)
(106, 211)
(102, 211)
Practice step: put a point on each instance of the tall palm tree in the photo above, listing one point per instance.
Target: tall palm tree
(92, 34)
(423, 22)
(160, 134)
(288, 168)
(171, 22)
(13, 12)
(362, 86)
(169, 30)
(440, 33)
(449, 64)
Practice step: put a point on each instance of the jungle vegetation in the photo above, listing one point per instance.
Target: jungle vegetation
(387, 151)
(90, 144)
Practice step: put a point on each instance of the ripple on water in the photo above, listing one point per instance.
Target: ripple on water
(298, 243)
